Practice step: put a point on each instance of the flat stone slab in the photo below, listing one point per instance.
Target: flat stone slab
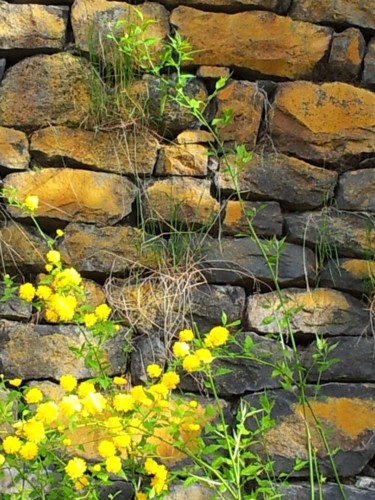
(279, 6)
(349, 275)
(14, 149)
(265, 217)
(356, 190)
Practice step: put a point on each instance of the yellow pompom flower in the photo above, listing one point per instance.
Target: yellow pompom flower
(154, 371)
(69, 405)
(51, 316)
(151, 466)
(119, 380)
(48, 267)
(193, 404)
(33, 430)
(66, 442)
(139, 395)
(75, 468)
(186, 335)
(180, 349)
(27, 292)
(194, 427)
(159, 391)
(2, 459)
(170, 380)
(85, 388)
(29, 451)
(123, 402)
(89, 320)
(217, 336)
(68, 382)
(64, 306)
(47, 412)
(11, 445)
(113, 464)
(53, 257)
(43, 292)
(59, 233)
(204, 355)
(94, 403)
(159, 481)
(31, 203)
(106, 448)
(67, 277)
(191, 363)
(122, 441)
(96, 468)
(102, 312)
(140, 496)
(81, 483)
(15, 382)
(33, 396)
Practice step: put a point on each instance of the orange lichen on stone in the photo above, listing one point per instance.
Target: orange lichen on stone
(233, 212)
(320, 298)
(360, 268)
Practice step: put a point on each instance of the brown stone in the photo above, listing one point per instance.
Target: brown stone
(292, 182)
(14, 149)
(338, 12)
(14, 308)
(245, 102)
(189, 159)
(368, 76)
(349, 275)
(106, 250)
(319, 311)
(356, 190)
(279, 6)
(293, 51)
(74, 195)
(186, 200)
(333, 233)
(93, 21)
(332, 122)
(195, 137)
(118, 152)
(45, 90)
(265, 217)
(346, 56)
(214, 72)
(2, 67)
(32, 27)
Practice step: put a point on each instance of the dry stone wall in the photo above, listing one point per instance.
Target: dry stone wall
(301, 91)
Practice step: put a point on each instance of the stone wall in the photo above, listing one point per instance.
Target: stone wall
(301, 93)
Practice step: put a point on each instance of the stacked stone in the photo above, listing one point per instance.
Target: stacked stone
(301, 95)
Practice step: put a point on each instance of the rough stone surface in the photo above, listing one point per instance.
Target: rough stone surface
(240, 262)
(342, 233)
(179, 199)
(245, 101)
(147, 349)
(279, 6)
(117, 489)
(346, 56)
(195, 137)
(356, 190)
(354, 360)
(107, 250)
(265, 217)
(331, 122)
(337, 12)
(125, 152)
(368, 76)
(103, 15)
(75, 195)
(41, 351)
(2, 67)
(188, 159)
(33, 27)
(320, 311)
(347, 414)
(329, 490)
(14, 309)
(213, 72)
(22, 248)
(14, 149)
(290, 181)
(349, 275)
(293, 51)
(193, 491)
(53, 88)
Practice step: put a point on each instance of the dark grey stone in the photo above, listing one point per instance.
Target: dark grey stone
(343, 63)
(118, 490)
(329, 492)
(348, 275)
(2, 67)
(356, 190)
(368, 76)
(147, 350)
(14, 308)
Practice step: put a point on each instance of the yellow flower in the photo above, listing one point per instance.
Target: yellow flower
(43, 292)
(51, 316)
(114, 424)
(170, 380)
(75, 468)
(186, 335)
(34, 430)
(181, 349)
(15, 382)
(159, 391)
(85, 388)
(204, 355)
(139, 395)
(140, 496)
(159, 481)
(33, 395)
(2, 459)
(69, 405)
(102, 312)
(89, 320)
(154, 371)
(94, 403)
(47, 412)
(194, 427)
(217, 336)
(59, 233)
(53, 257)
(119, 380)
(151, 466)
(67, 277)
(31, 203)
(123, 402)
(29, 451)
(81, 483)
(191, 363)
(26, 292)
(106, 448)
(11, 445)
(96, 468)
(113, 464)
(67, 442)
(48, 267)
(193, 404)
(122, 441)
(68, 382)
(64, 306)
